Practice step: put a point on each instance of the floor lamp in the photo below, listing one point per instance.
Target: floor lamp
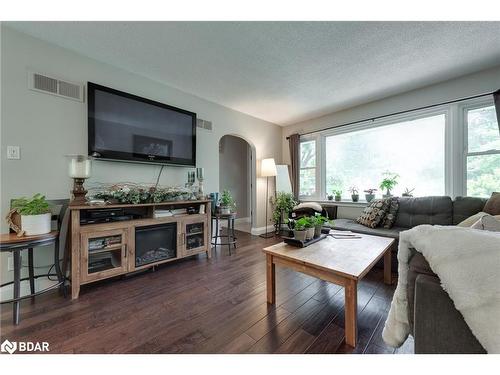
(267, 169)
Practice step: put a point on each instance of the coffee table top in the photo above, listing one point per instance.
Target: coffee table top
(351, 258)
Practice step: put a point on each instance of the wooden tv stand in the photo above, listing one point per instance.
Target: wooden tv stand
(117, 255)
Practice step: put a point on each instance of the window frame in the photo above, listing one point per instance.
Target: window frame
(304, 139)
(463, 109)
(321, 136)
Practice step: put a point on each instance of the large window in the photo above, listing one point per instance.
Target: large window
(483, 151)
(447, 150)
(414, 150)
(308, 168)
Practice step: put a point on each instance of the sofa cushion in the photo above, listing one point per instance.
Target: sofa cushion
(424, 210)
(464, 207)
(374, 213)
(391, 213)
(487, 222)
(348, 224)
(467, 223)
(492, 205)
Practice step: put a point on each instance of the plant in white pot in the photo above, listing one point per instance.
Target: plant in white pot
(300, 228)
(227, 204)
(35, 214)
(319, 220)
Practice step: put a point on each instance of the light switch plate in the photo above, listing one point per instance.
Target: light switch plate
(13, 152)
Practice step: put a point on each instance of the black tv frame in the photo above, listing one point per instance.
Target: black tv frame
(126, 156)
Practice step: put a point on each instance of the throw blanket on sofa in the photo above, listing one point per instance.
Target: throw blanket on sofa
(468, 263)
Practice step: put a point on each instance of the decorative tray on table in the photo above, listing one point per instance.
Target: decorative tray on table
(295, 242)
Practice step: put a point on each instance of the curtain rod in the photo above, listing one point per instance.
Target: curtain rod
(401, 112)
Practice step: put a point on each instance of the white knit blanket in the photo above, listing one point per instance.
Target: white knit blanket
(468, 263)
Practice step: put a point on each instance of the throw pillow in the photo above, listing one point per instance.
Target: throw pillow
(492, 205)
(374, 213)
(391, 213)
(471, 220)
(311, 205)
(488, 223)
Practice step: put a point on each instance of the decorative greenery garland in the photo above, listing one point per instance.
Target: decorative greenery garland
(130, 193)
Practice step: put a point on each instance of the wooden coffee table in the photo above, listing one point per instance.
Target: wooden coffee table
(340, 261)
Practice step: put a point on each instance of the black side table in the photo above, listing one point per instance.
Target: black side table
(14, 244)
(231, 238)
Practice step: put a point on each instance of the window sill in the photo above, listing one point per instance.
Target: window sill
(342, 203)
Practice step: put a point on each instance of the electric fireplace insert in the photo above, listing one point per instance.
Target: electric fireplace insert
(155, 243)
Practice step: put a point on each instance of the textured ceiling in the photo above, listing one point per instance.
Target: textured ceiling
(284, 72)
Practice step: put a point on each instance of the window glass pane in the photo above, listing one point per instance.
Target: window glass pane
(482, 130)
(307, 182)
(308, 154)
(415, 150)
(483, 175)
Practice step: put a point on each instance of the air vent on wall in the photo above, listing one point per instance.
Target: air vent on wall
(204, 124)
(50, 85)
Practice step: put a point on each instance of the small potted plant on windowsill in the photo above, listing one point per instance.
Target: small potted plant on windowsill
(354, 193)
(338, 195)
(388, 183)
(227, 204)
(369, 196)
(35, 214)
(408, 193)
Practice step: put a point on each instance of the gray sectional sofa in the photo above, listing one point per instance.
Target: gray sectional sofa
(436, 325)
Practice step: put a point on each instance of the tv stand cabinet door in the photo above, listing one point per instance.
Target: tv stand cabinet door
(194, 236)
(117, 252)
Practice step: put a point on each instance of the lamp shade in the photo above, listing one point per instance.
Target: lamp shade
(268, 168)
(79, 166)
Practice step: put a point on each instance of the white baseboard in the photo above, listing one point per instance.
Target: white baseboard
(262, 230)
(243, 220)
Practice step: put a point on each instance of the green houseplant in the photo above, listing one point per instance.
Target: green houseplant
(283, 205)
(338, 195)
(408, 192)
(300, 228)
(388, 183)
(318, 221)
(354, 193)
(369, 196)
(227, 203)
(35, 214)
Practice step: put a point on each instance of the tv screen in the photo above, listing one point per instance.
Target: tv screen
(126, 127)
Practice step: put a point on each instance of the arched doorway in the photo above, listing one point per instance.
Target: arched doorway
(235, 175)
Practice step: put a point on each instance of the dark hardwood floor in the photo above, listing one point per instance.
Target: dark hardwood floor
(207, 306)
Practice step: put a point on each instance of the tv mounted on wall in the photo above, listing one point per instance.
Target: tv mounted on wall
(126, 127)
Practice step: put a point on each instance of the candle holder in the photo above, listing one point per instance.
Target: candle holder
(79, 171)
(200, 177)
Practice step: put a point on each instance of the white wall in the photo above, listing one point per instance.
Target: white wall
(234, 172)
(469, 85)
(48, 127)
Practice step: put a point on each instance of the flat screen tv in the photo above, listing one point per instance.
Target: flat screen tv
(126, 127)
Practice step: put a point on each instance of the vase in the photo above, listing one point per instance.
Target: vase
(355, 197)
(310, 233)
(317, 231)
(300, 235)
(36, 224)
(338, 198)
(369, 197)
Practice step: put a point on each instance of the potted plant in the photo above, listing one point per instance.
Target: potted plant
(329, 197)
(408, 192)
(35, 214)
(338, 195)
(388, 183)
(369, 196)
(300, 229)
(227, 204)
(310, 227)
(319, 220)
(354, 193)
(283, 205)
